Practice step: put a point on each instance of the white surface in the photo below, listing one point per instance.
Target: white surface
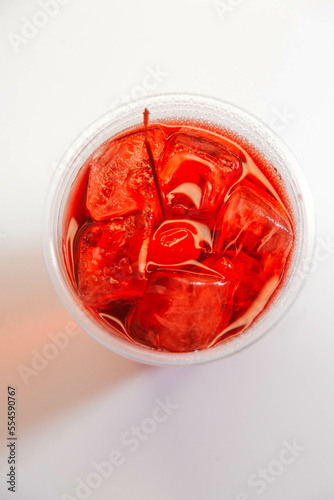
(234, 416)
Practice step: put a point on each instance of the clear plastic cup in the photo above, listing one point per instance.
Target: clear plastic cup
(190, 108)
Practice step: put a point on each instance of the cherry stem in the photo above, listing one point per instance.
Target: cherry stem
(152, 164)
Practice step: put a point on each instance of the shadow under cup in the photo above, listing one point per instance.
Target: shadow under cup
(203, 110)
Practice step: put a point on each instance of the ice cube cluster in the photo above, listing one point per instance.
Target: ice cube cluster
(206, 271)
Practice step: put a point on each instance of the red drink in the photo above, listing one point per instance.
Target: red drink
(190, 270)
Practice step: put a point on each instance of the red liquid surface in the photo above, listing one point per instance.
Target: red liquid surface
(206, 271)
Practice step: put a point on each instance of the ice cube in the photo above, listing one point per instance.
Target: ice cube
(181, 311)
(178, 241)
(250, 281)
(255, 223)
(120, 178)
(197, 171)
(256, 236)
(112, 260)
(245, 273)
(254, 287)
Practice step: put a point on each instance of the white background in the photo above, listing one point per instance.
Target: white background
(233, 417)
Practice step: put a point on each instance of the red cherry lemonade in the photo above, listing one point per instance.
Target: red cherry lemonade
(182, 254)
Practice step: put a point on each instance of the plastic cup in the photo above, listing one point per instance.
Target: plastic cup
(203, 110)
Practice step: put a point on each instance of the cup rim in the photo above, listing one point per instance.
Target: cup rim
(70, 164)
